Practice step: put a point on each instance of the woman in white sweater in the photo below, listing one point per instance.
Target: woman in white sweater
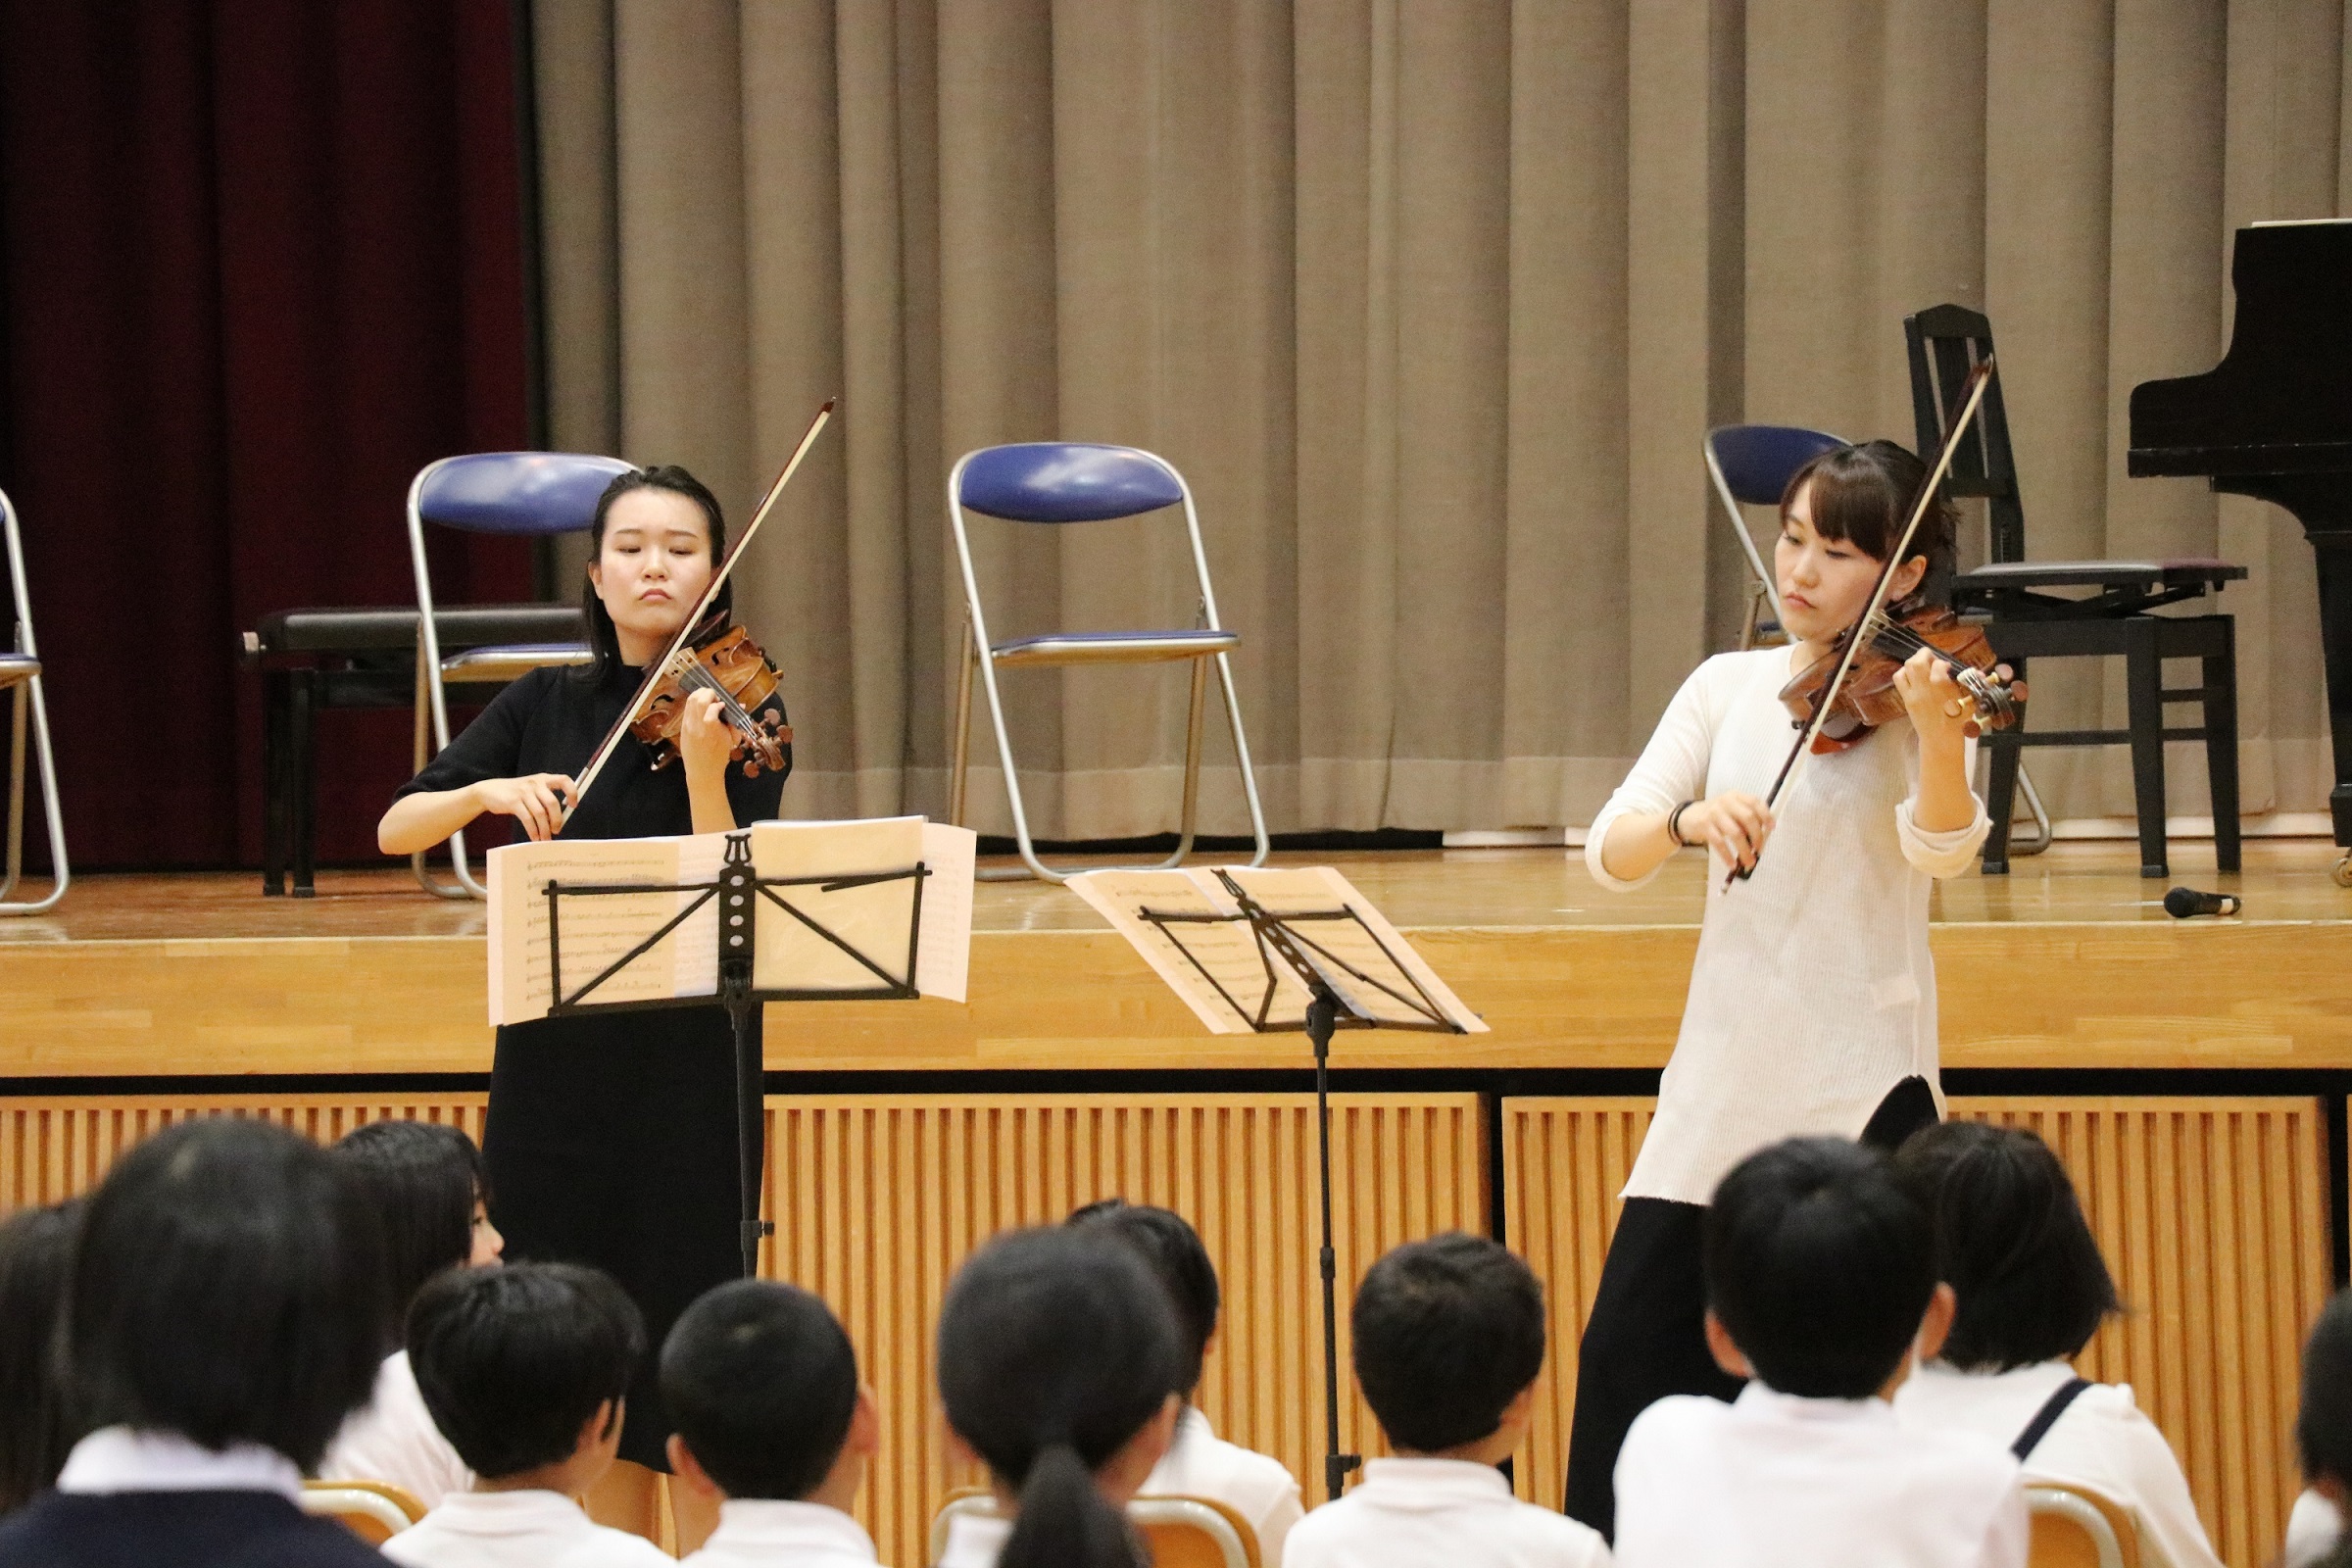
(1812, 1002)
(2012, 1243)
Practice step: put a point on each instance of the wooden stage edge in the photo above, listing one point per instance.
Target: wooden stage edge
(2066, 964)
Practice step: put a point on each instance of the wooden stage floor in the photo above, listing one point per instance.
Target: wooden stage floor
(2068, 961)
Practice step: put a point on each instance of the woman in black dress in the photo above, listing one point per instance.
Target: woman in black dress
(611, 1138)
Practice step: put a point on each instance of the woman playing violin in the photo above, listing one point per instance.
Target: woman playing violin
(1812, 999)
(611, 1138)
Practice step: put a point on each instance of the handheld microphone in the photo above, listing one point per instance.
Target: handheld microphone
(2182, 902)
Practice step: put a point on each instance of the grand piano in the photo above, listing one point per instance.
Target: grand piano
(2273, 420)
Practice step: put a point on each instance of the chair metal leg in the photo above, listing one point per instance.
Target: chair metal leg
(422, 734)
(2143, 683)
(32, 712)
(1190, 817)
(1264, 844)
(2045, 832)
(960, 770)
(2221, 744)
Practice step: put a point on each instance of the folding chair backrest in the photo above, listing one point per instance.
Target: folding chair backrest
(1756, 460)
(2074, 1527)
(1065, 482)
(369, 1509)
(1944, 343)
(529, 493)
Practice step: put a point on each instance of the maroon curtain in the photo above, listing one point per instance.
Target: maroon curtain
(261, 259)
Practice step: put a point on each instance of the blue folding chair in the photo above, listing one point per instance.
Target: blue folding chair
(1071, 482)
(533, 495)
(20, 678)
(1751, 464)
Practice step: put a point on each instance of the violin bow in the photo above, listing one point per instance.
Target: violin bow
(1972, 398)
(692, 623)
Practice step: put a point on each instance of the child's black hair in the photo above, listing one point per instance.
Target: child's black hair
(36, 1248)
(423, 1178)
(1055, 1348)
(1168, 1242)
(1820, 1265)
(762, 1382)
(1448, 1332)
(2323, 1424)
(227, 1286)
(1864, 494)
(514, 1361)
(2011, 1242)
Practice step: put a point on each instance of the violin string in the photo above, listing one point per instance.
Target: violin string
(698, 676)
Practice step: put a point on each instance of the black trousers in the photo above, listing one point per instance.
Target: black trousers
(1647, 1337)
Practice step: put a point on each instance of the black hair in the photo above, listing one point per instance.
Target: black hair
(1864, 495)
(2323, 1424)
(1448, 1331)
(36, 1248)
(423, 1178)
(1164, 1240)
(603, 636)
(762, 1382)
(1820, 1265)
(2011, 1242)
(227, 1286)
(513, 1361)
(1055, 1348)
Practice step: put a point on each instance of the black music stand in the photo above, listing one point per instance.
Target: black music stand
(739, 894)
(1333, 1002)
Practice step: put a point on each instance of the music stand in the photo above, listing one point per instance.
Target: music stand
(1361, 974)
(745, 972)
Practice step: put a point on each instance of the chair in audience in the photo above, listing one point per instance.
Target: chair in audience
(372, 1510)
(20, 679)
(1182, 1532)
(2115, 619)
(533, 495)
(2075, 1527)
(1073, 482)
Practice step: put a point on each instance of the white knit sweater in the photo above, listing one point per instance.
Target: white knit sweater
(1813, 993)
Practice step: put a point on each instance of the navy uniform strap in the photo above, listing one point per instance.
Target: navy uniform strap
(2046, 1417)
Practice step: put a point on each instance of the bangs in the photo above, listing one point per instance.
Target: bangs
(1854, 500)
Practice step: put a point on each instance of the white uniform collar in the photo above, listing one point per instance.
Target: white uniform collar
(121, 1460)
(1758, 1403)
(1436, 1478)
(778, 1526)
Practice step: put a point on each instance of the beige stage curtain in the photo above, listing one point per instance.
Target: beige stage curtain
(1432, 301)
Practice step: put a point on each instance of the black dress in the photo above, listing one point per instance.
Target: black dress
(611, 1138)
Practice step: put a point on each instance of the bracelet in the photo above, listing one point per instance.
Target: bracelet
(1674, 825)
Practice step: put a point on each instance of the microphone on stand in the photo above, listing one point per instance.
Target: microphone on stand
(2182, 902)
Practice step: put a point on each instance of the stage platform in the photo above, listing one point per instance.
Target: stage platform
(2192, 1075)
(2068, 962)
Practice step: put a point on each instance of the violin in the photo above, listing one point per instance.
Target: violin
(1868, 698)
(724, 660)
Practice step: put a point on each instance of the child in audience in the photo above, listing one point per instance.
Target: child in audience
(1821, 1285)
(1060, 1370)
(1199, 1463)
(424, 1182)
(36, 1247)
(772, 1427)
(2010, 1239)
(220, 1322)
(525, 1370)
(1448, 1338)
(2315, 1530)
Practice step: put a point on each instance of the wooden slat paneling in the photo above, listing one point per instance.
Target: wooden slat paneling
(51, 1149)
(878, 1198)
(2212, 1212)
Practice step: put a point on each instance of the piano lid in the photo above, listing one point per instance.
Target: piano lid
(2281, 399)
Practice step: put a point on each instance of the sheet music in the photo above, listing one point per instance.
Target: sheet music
(1219, 971)
(872, 919)
(943, 958)
(597, 930)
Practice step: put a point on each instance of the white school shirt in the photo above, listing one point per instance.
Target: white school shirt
(1813, 993)
(1408, 1513)
(975, 1540)
(115, 1459)
(2313, 1528)
(1774, 1480)
(2101, 1442)
(760, 1533)
(1255, 1486)
(392, 1439)
(518, 1530)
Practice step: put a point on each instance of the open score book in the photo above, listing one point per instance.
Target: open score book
(599, 930)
